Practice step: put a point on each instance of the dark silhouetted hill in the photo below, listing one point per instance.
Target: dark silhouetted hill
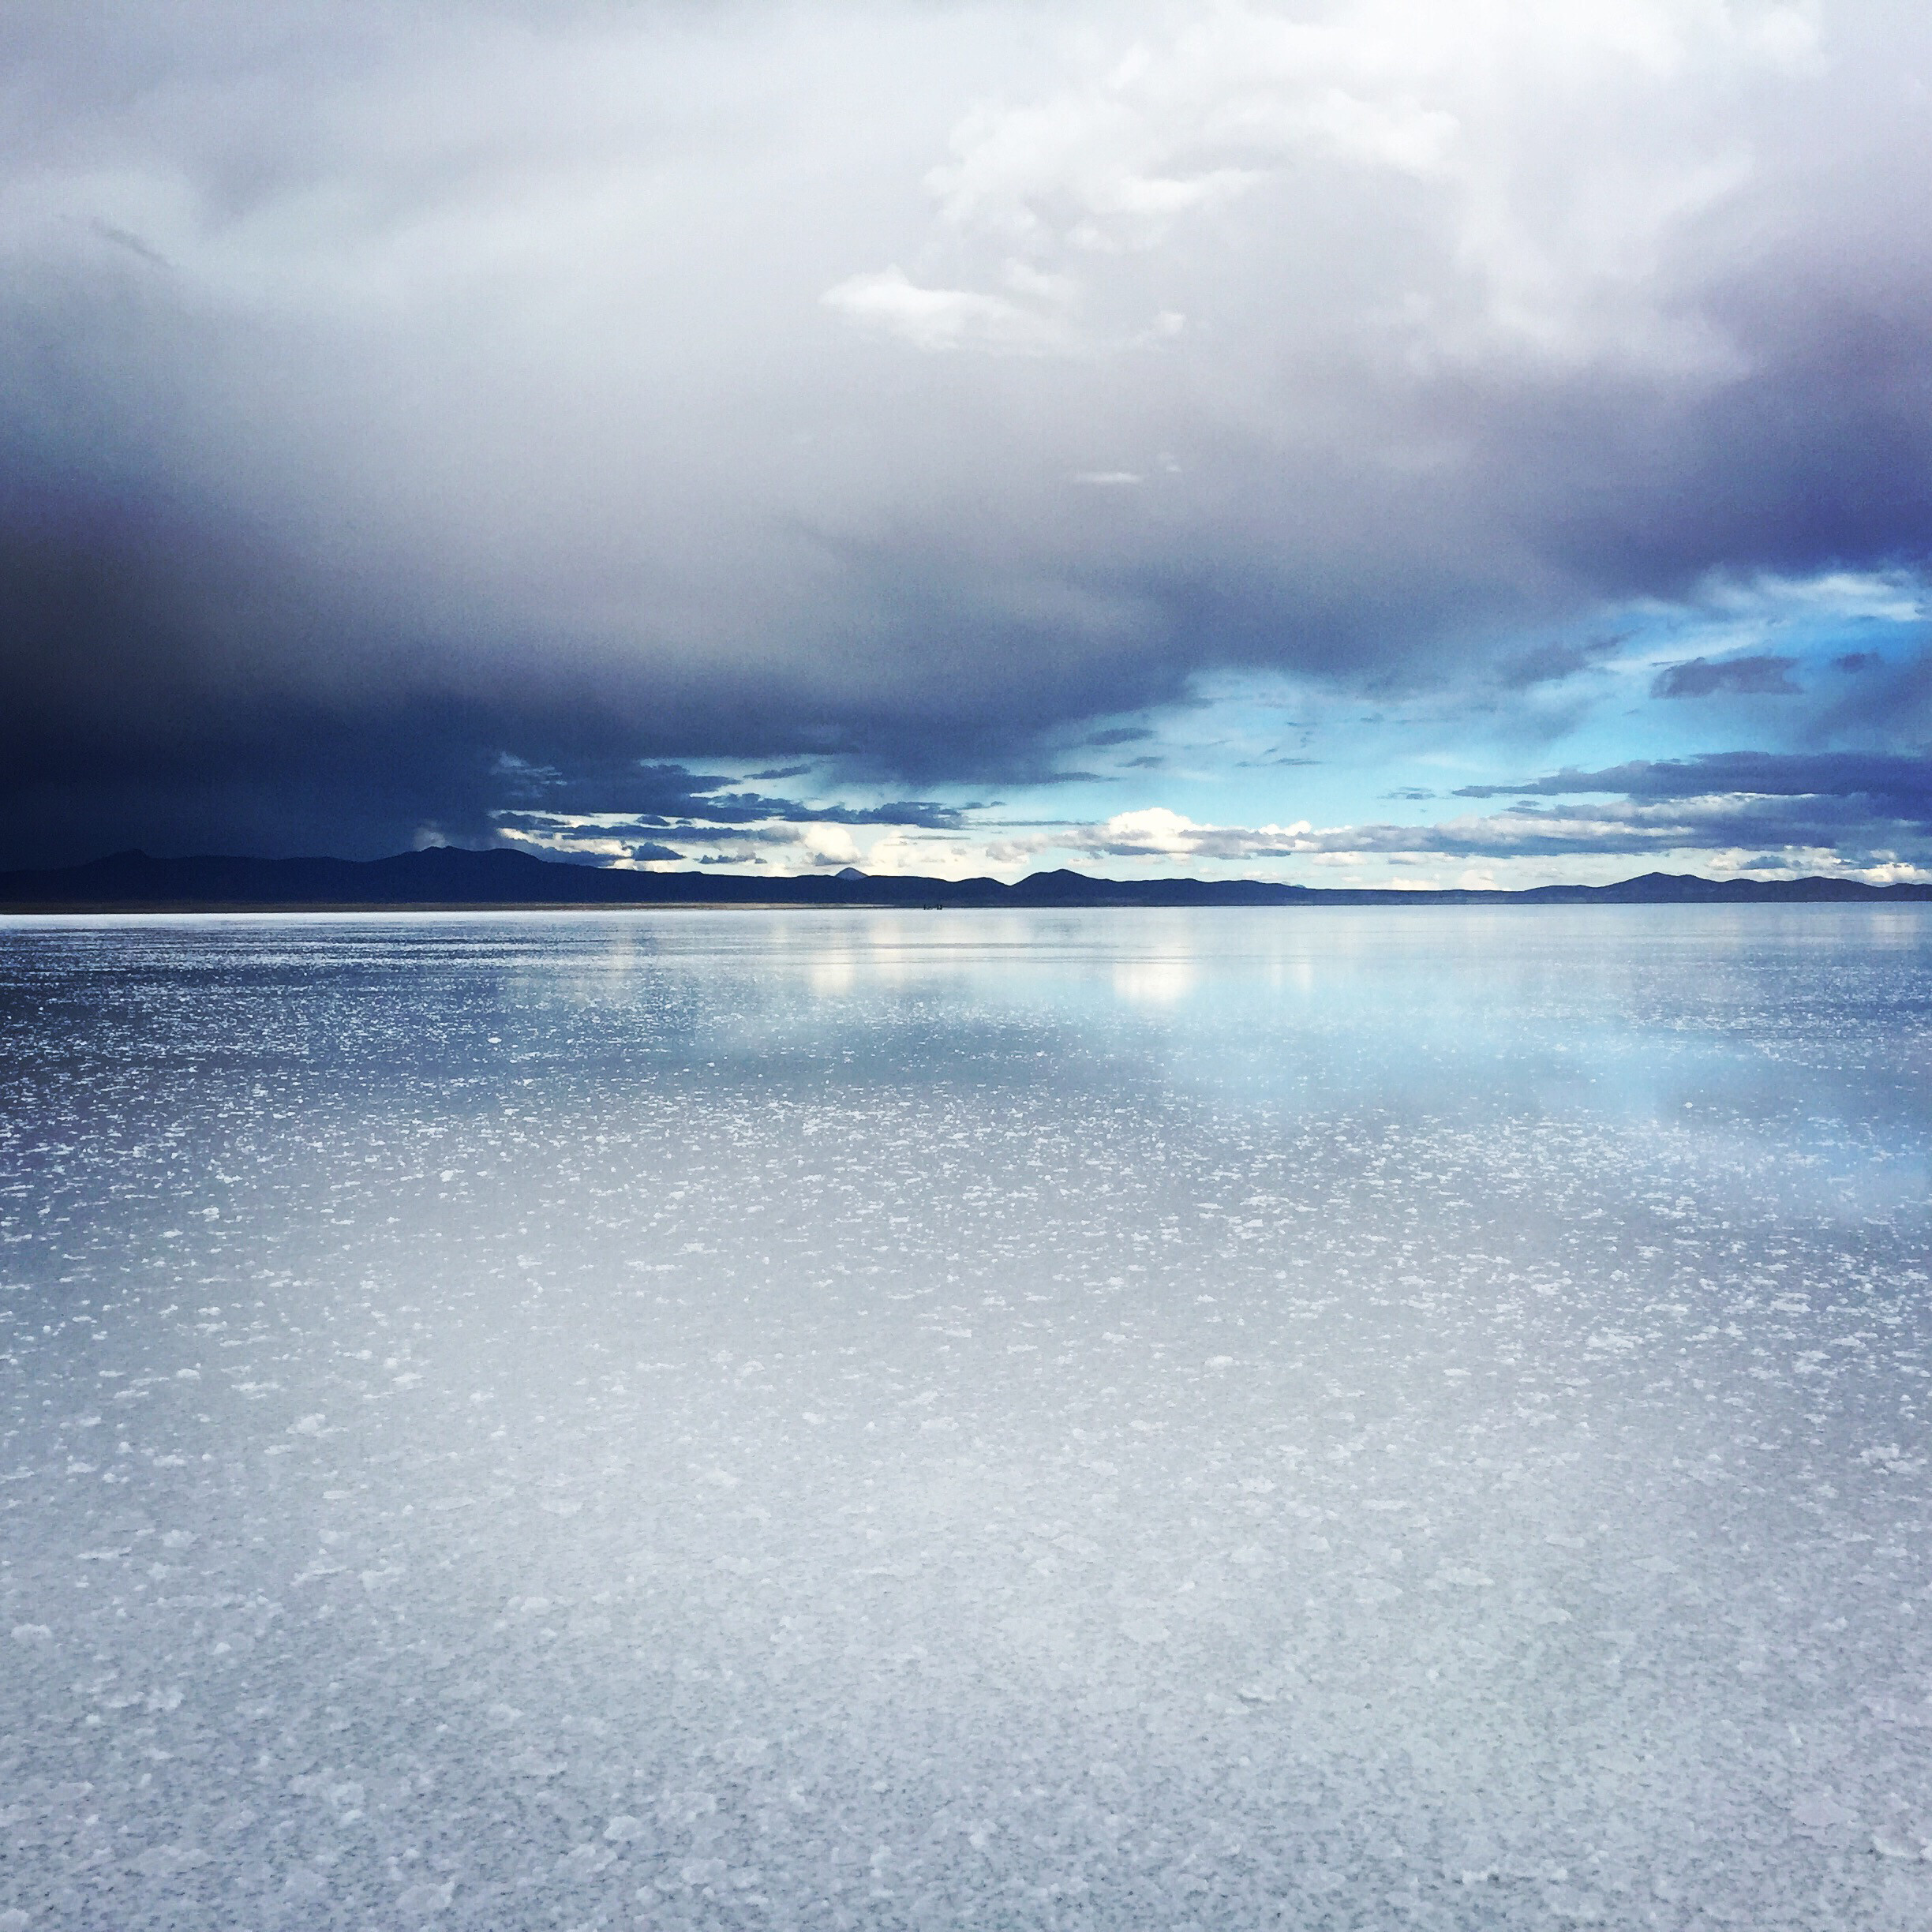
(447, 878)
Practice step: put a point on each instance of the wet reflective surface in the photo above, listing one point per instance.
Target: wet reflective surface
(1338, 1418)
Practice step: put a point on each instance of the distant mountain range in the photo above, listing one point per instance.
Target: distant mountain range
(447, 878)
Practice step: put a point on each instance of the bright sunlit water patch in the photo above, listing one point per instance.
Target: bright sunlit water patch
(1342, 1418)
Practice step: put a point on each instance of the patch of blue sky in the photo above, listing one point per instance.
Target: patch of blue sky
(1261, 744)
(1265, 774)
(1775, 665)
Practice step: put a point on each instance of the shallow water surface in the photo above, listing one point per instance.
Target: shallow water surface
(1338, 1418)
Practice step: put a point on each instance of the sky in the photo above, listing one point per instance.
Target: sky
(1425, 442)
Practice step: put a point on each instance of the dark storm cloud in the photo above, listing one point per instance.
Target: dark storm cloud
(1764, 677)
(410, 415)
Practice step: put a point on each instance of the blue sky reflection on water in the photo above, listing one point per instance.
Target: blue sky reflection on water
(1485, 1008)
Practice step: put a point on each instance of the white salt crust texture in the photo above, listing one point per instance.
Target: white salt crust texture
(1147, 1420)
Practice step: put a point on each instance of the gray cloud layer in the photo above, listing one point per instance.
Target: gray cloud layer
(385, 391)
(1854, 802)
(1762, 675)
(657, 796)
(1903, 782)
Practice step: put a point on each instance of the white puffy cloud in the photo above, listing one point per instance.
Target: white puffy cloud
(1156, 832)
(1518, 175)
(943, 319)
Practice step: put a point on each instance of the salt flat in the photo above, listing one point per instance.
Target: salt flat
(1121, 1419)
